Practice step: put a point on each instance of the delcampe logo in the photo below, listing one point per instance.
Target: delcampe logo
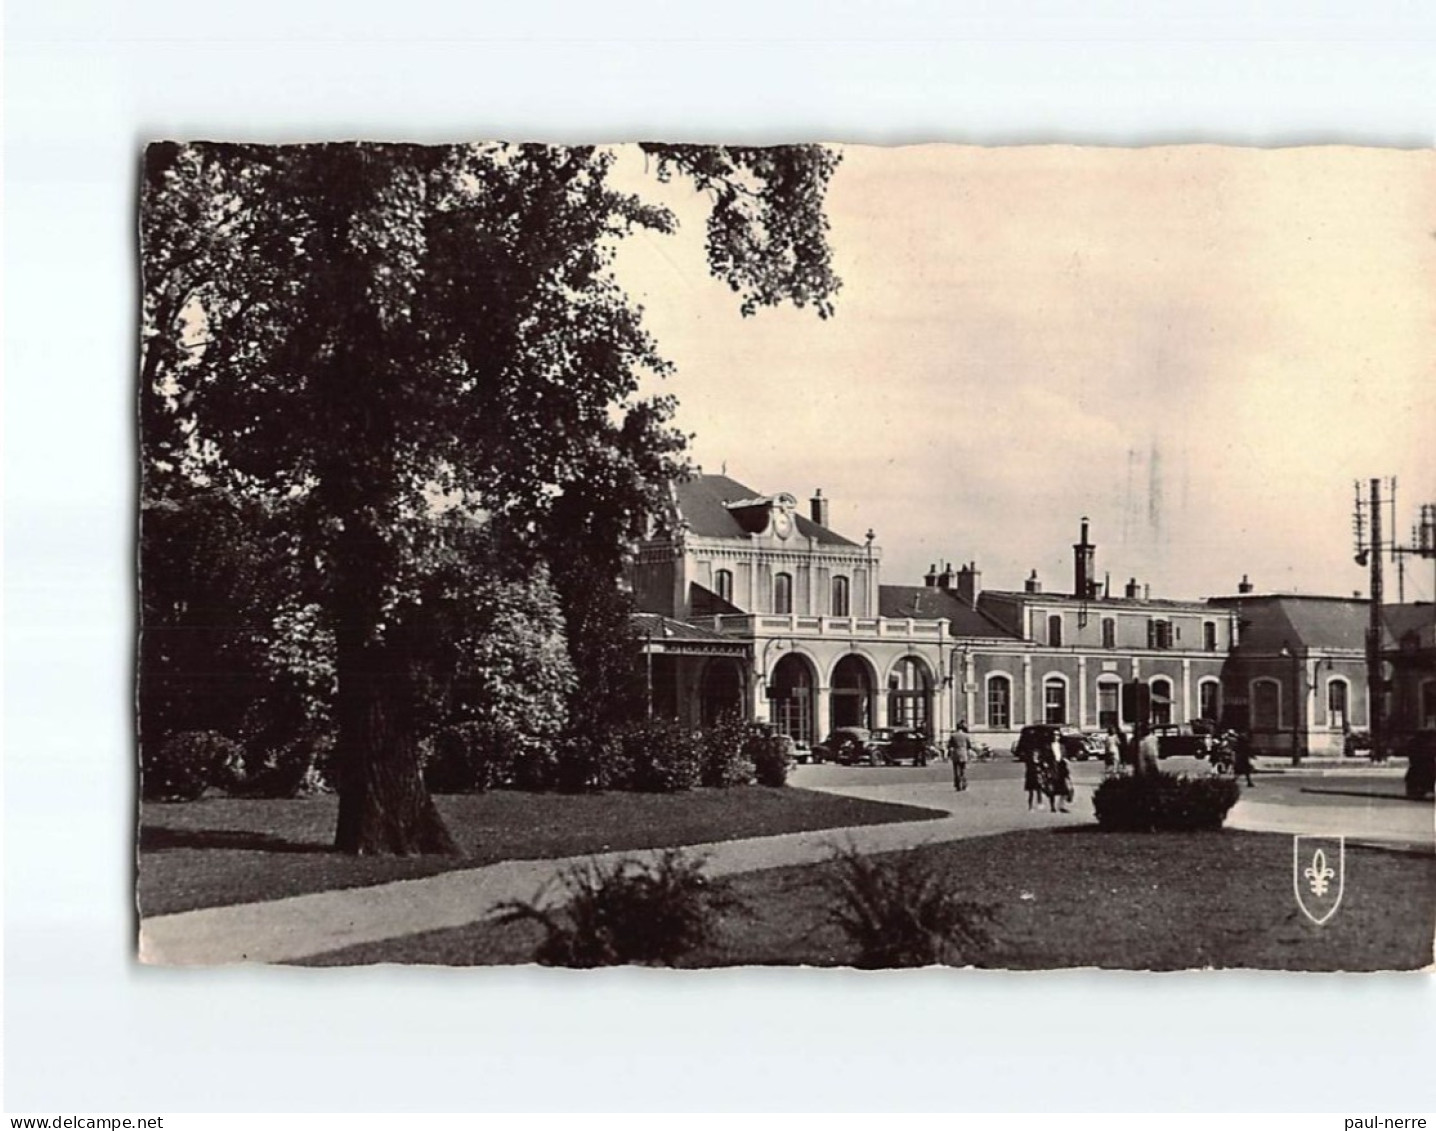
(1318, 873)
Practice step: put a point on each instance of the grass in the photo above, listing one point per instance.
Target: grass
(1065, 898)
(220, 851)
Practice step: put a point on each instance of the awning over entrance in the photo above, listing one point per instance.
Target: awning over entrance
(664, 636)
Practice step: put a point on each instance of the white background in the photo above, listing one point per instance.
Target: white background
(88, 82)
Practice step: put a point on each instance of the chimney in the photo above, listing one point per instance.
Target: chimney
(969, 583)
(1133, 590)
(1107, 585)
(1032, 585)
(1245, 586)
(947, 577)
(1083, 565)
(819, 509)
(931, 579)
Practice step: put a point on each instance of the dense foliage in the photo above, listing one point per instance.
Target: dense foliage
(1162, 801)
(900, 910)
(186, 764)
(346, 338)
(631, 912)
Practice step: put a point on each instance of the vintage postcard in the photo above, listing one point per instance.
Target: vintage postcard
(821, 555)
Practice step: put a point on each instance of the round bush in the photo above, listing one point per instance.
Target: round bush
(184, 765)
(655, 756)
(772, 757)
(725, 757)
(1163, 802)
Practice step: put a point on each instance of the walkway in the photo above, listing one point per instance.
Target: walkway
(300, 927)
(285, 930)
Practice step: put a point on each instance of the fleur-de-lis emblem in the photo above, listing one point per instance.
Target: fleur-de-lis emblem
(1319, 874)
(1318, 885)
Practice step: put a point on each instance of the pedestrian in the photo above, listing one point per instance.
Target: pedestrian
(1242, 758)
(1112, 750)
(959, 752)
(1147, 751)
(1059, 780)
(1032, 777)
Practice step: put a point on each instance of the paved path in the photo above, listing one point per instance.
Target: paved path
(303, 926)
(298, 927)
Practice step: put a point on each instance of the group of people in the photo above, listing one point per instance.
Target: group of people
(1048, 773)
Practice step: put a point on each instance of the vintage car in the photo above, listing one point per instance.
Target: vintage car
(1038, 737)
(907, 745)
(1184, 740)
(1421, 765)
(847, 746)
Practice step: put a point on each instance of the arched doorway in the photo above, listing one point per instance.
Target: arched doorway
(910, 695)
(852, 693)
(790, 699)
(722, 692)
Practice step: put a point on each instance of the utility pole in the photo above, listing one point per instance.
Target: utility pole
(1370, 546)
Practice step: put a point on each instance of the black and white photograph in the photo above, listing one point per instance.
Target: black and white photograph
(811, 555)
(804, 557)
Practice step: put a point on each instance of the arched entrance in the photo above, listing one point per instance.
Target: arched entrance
(722, 692)
(790, 699)
(852, 693)
(910, 695)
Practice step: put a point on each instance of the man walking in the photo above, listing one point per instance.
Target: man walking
(959, 752)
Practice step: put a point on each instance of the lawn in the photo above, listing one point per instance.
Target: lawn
(225, 850)
(1066, 898)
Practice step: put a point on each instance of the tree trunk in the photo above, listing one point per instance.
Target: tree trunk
(384, 807)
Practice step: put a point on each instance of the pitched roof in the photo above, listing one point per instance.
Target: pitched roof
(1302, 621)
(701, 504)
(662, 633)
(921, 603)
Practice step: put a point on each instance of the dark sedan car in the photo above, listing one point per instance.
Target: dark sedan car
(908, 746)
(847, 746)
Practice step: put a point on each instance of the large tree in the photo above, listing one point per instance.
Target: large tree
(367, 332)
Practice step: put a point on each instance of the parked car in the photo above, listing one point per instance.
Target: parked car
(1177, 740)
(908, 746)
(879, 739)
(1039, 736)
(846, 746)
(1421, 765)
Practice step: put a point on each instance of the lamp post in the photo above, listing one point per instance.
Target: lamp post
(1298, 700)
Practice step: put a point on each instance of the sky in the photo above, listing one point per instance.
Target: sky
(1199, 348)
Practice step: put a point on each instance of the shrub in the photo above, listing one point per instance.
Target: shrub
(184, 765)
(304, 765)
(469, 757)
(632, 911)
(726, 762)
(653, 756)
(902, 911)
(1162, 801)
(772, 757)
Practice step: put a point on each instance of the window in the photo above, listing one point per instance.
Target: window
(840, 597)
(1054, 700)
(783, 593)
(999, 702)
(1336, 704)
(1054, 631)
(1209, 636)
(1266, 705)
(1161, 702)
(723, 582)
(1109, 632)
(1107, 703)
(1428, 703)
(1209, 699)
(1159, 634)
